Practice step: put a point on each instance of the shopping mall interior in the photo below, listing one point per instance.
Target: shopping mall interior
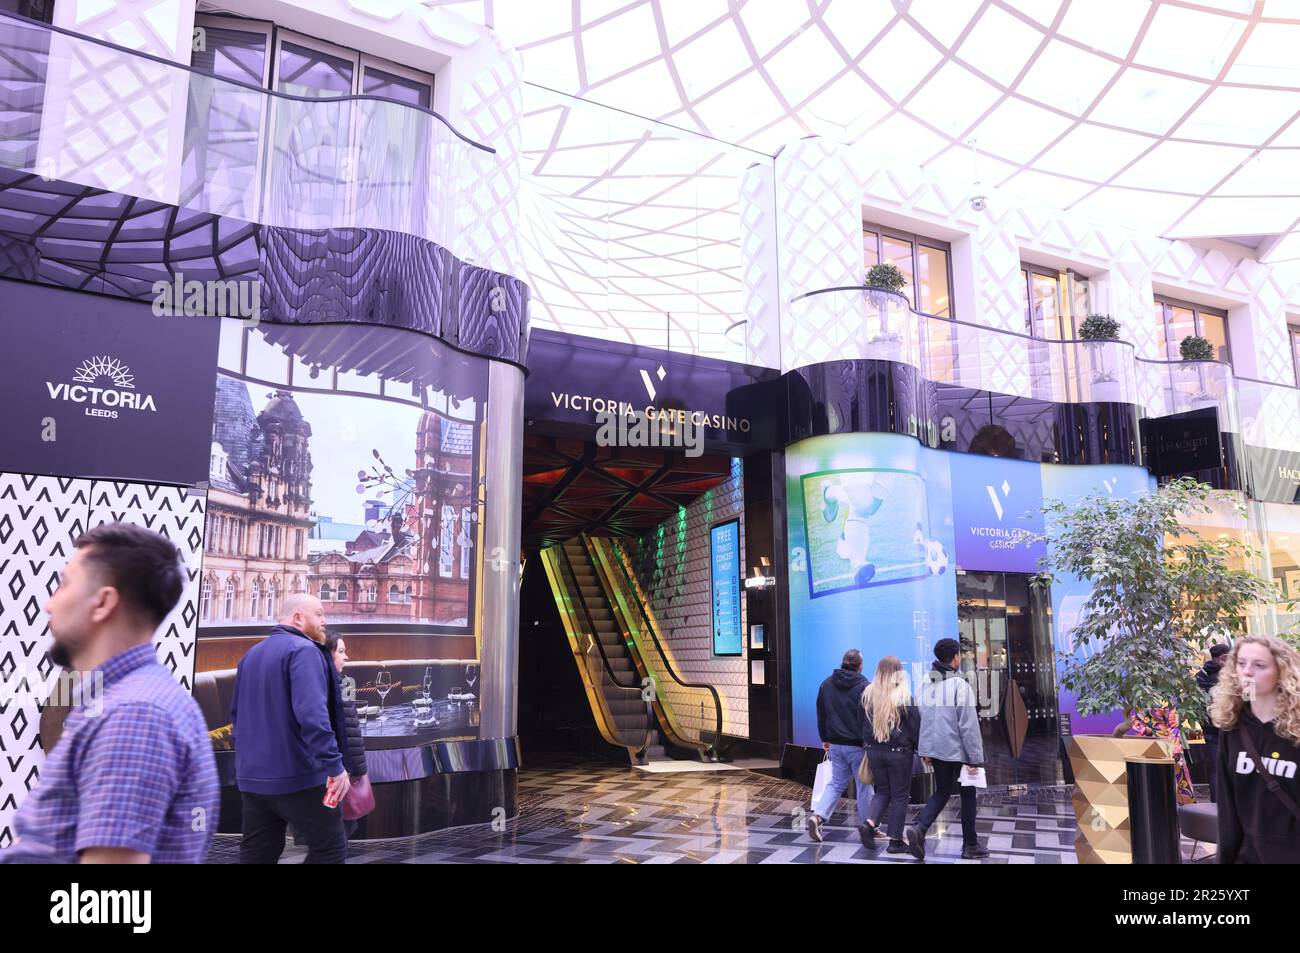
(659, 352)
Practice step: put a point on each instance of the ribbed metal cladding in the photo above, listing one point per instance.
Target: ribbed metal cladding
(503, 479)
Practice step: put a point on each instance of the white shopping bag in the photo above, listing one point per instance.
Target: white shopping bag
(822, 781)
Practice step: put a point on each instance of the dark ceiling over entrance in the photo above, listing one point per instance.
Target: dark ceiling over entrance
(573, 486)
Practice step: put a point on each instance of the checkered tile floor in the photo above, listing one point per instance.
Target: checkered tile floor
(574, 812)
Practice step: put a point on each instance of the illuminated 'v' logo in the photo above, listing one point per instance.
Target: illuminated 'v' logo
(993, 497)
(649, 384)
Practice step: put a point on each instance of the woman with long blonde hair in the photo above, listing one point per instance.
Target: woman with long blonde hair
(1256, 707)
(891, 727)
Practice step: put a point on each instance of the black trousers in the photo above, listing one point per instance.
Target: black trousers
(946, 777)
(893, 776)
(265, 819)
(1212, 753)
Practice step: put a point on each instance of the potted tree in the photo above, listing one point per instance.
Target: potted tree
(1193, 349)
(1160, 592)
(885, 343)
(1097, 331)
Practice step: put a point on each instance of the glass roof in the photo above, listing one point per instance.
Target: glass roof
(1178, 117)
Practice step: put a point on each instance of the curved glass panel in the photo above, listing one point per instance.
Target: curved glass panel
(85, 112)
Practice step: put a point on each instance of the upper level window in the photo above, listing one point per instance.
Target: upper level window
(924, 262)
(1179, 319)
(42, 10)
(1056, 302)
(237, 49)
(232, 49)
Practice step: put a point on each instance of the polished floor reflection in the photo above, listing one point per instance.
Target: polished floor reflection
(581, 812)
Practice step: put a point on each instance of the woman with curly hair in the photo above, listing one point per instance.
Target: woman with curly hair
(1256, 707)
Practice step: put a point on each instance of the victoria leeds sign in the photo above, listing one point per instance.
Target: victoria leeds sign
(100, 387)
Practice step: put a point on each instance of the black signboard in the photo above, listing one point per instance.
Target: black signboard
(95, 386)
(580, 380)
(1183, 443)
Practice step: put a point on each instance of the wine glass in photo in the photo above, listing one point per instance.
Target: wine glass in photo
(383, 685)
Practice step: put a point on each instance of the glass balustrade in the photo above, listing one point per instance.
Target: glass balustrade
(868, 324)
(88, 113)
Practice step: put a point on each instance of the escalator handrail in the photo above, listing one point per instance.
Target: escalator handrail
(592, 634)
(648, 625)
(593, 638)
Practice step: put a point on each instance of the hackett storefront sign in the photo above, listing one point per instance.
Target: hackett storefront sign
(100, 387)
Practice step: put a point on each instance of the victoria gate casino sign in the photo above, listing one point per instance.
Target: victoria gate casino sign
(584, 381)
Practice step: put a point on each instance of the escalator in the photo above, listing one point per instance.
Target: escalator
(639, 701)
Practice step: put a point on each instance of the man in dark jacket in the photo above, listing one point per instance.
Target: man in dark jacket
(839, 724)
(288, 757)
(1207, 678)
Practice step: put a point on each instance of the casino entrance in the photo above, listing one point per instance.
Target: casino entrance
(633, 644)
(1004, 625)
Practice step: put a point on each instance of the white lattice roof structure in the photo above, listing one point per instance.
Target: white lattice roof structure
(1175, 117)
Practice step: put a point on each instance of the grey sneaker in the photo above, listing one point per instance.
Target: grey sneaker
(815, 827)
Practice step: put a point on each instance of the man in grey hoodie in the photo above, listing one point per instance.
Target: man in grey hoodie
(950, 738)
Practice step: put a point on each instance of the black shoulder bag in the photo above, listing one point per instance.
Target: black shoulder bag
(1270, 782)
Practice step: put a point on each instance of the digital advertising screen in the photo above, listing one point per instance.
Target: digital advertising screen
(344, 462)
(870, 556)
(724, 562)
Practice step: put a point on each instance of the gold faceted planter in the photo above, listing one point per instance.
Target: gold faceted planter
(1101, 793)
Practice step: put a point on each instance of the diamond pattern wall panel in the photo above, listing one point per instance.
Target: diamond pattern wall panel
(759, 266)
(487, 195)
(40, 518)
(177, 513)
(819, 243)
(111, 120)
(673, 564)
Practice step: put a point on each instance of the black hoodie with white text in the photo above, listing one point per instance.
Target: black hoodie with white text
(1255, 824)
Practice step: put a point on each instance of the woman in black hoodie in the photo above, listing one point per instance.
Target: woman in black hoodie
(1257, 710)
(891, 727)
(353, 743)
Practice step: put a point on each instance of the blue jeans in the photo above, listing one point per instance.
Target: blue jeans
(844, 768)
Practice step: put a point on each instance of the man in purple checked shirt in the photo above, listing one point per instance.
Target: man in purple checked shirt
(132, 779)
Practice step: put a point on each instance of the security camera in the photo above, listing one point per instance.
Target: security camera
(979, 202)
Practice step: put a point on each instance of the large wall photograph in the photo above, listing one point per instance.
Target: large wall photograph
(344, 462)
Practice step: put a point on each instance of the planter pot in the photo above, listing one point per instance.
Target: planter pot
(1100, 799)
(886, 349)
(1106, 391)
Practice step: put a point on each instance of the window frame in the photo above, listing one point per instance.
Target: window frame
(881, 232)
(1166, 302)
(242, 25)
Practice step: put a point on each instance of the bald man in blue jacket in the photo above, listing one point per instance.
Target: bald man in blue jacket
(288, 753)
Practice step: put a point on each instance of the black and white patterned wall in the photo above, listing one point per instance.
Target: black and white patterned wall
(40, 517)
